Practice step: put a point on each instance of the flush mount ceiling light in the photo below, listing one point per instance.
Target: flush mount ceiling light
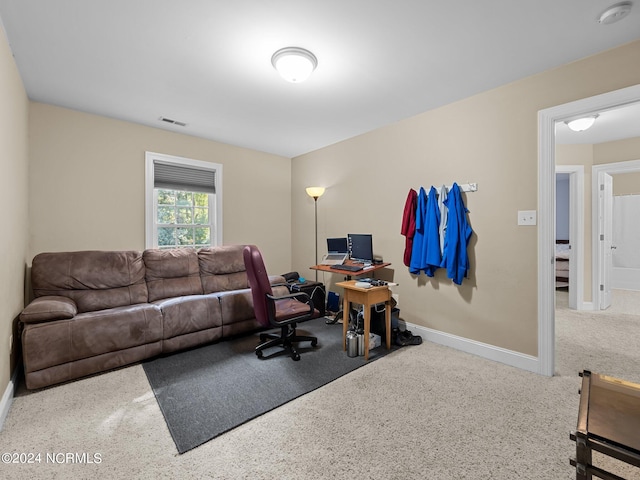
(294, 64)
(581, 124)
(615, 13)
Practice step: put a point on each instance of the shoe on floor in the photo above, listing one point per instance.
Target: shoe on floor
(399, 338)
(409, 338)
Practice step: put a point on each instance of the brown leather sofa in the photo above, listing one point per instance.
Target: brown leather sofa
(98, 310)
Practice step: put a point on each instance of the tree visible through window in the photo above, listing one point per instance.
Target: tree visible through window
(182, 219)
(183, 202)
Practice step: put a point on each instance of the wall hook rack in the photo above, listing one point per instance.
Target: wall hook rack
(464, 187)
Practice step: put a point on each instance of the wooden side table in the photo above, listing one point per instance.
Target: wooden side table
(366, 297)
(348, 274)
(608, 422)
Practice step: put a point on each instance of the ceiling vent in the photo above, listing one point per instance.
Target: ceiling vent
(173, 122)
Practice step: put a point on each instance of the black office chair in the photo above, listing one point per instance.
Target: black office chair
(282, 312)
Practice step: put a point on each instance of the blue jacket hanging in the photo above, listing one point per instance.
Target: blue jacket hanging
(455, 257)
(415, 265)
(431, 251)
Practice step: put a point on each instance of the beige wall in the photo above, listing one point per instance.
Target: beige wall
(87, 182)
(14, 199)
(620, 151)
(491, 139)
(626, 184)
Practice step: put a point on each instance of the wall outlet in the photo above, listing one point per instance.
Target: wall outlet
(527, 217)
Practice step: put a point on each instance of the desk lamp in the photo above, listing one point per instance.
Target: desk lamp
(315, 192)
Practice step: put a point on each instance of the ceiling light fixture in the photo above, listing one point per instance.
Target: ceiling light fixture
(294, 64)
(615, 13)
(581, 124)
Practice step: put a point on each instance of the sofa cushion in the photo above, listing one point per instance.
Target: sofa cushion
(94, 280)
(237, 306)
(90, 334)
(172, 273)
(87, 366)
(222, 268)
(182, 315)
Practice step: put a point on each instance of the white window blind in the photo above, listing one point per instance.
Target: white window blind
(183, 177)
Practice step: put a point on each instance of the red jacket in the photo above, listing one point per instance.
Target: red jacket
(408, 228)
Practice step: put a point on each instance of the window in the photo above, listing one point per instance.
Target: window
(184, 202)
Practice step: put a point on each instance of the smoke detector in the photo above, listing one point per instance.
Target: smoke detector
(615, 13)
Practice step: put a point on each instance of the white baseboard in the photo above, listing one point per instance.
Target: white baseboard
(625, 278)
(7, 398)
(484, 350)
(587, 306)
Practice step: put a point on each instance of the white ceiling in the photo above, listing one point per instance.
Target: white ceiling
(207, 62)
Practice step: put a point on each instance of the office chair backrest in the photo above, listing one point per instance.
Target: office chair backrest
(258, 282)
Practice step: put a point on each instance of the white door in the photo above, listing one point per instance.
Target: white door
(605, 229)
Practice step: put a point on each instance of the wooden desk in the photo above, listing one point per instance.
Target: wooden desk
(366, 297)
(349, 273)
(608, 422)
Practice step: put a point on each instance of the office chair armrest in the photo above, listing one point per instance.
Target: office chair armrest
(306, 298)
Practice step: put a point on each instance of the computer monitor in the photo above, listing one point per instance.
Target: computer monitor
(337, 245)
(361, 247)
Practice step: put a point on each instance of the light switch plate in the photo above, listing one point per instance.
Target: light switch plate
(527, 217)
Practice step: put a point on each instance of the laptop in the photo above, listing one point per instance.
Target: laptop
(337, 250)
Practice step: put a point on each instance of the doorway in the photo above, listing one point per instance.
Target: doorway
(602, 200)
(546, 205)
(574, 233)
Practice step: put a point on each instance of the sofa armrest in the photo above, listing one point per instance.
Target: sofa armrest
(47, 308)
(276, 280)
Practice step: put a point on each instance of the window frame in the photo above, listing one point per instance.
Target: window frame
(151, 228)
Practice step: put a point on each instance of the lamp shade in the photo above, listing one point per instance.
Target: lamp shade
(315, 192)
(581, 124)
(294, 64)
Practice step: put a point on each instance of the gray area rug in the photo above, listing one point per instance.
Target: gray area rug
(209, 390)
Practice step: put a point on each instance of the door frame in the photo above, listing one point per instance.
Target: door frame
(597, 172)
(547, 119)
(576, 233)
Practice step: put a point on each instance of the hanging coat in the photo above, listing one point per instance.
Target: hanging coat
(431, 250)
(416, 264)
(455, 258)
(443, 215)
(408, 228)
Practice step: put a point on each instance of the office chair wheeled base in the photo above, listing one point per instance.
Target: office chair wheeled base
(286, 339)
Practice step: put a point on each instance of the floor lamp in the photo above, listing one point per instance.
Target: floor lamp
(315, 192)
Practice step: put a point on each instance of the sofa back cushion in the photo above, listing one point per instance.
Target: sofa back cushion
(95, 280)
(222, 268)
(172, 273)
